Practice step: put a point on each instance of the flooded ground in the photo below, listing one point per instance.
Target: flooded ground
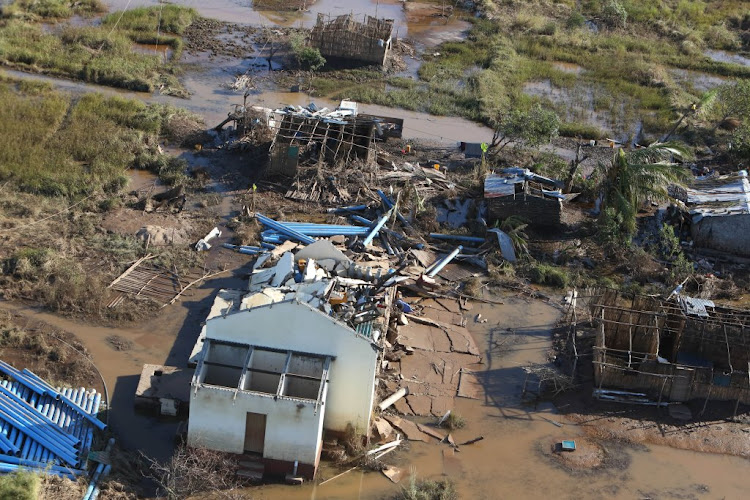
(588, 103)
(422, 25)
(213, 103)
(728, 57)
(514, 460)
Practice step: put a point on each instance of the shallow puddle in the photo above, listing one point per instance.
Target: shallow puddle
(163, 51)
(699, 81)
(727, 57)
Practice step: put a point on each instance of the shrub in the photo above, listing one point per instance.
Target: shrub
(310, 59)
(546, 274)
(19, 485)
(454, 421)
(575, 20)
(614, 14)
(428, 490)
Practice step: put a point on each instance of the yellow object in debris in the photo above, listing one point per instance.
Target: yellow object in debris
(436, 166)
(198, 147)
(408, 148)
(337, 298)
(302, 264)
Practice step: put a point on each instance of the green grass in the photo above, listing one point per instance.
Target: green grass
(100, 54)
(52, 9)
(67, 147)
(627, 69)
(172, 19)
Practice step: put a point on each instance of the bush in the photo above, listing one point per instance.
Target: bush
(454, 421)
(19, 486)
(309, 58)
(428, 490)
(575, 20)
(546, 274)
(614, 14)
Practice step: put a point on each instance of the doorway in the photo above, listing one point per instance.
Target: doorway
(255, 432)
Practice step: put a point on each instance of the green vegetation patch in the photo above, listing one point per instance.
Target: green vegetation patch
(101, 54)
(66, 147)
(172, 19)
(52, 9)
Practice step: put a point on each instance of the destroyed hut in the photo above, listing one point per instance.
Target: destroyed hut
(342, 40)
(671, 350)
(518, 191)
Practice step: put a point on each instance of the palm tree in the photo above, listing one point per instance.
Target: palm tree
(638, 175)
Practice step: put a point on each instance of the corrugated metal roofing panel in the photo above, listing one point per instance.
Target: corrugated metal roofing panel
(717, 196)
(499, 185)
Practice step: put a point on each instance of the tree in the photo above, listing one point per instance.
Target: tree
(308, 58)
(733, 100)
(634, 177)
(533, 127)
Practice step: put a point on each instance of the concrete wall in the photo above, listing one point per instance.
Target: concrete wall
(298, 327)
(293, 428)
(730, 233)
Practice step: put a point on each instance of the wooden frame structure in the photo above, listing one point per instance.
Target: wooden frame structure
(667, 350)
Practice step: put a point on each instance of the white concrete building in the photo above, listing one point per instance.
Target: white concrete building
(271, 377)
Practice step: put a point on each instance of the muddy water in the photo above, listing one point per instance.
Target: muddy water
(510, 462)
(166, 339)
(218, 101)
(427, 28)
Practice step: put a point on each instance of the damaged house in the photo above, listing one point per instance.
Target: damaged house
(279, 366)
(678, 349)
(518, 191)
(719, 210)
(342, 40)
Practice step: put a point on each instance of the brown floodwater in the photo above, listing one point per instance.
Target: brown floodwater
(428, 29)
(511, 461)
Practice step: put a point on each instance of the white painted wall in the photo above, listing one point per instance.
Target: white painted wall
(297, 326)
(217, 421)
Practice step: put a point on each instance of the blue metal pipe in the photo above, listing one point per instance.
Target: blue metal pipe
(10, 468)
(355, 208)
(248, 251)
(8, 447)
(37, 430)
(37, 434)
(357, 218)
(39, 465)
(95, 494)
(438, 266)
(389, 204)
(97, 423)
(34, 418)
(94, 411)
(457, 237)
(376, 229)
(97, 472)
(282, 228)
(67, 455)
(23, 380)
